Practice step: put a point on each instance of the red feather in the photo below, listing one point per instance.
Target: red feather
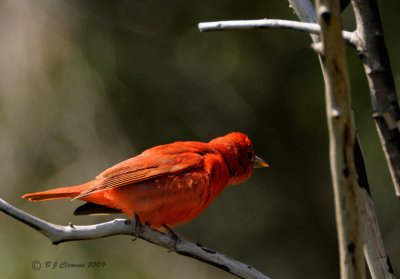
(167, 184)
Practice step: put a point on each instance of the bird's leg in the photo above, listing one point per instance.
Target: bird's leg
(138, 226)
(176, 239)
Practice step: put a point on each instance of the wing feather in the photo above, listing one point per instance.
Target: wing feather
(152, 163)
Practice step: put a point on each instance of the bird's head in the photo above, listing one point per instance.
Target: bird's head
(238, 153)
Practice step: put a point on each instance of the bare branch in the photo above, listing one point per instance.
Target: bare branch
(304, 9)
(342, 138)
(58, 234)
(260, 23)
(311, 28)
(373, 53)
(374, 249)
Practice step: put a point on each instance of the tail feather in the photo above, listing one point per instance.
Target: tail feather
(59, 193)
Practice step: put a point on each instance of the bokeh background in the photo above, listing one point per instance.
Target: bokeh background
(86, 84)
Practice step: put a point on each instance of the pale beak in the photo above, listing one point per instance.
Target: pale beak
(259, 163)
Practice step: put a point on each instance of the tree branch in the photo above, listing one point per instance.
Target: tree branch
(304, 10)
(58, 234)
(374, 249)
(373, 53)
(311, 28)
(342, 139)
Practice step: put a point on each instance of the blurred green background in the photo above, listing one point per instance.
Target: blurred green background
(86, 84)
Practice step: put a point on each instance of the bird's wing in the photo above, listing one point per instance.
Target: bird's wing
(152, 163)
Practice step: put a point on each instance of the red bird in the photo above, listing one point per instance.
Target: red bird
(168, 184)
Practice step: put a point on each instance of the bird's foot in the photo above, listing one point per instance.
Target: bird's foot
(175, 238)
(138, 227)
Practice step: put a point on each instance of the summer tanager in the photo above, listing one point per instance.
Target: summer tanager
(168, 184)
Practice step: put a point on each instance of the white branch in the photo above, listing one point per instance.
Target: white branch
(311, 28)
(58, 234)
(342, 142)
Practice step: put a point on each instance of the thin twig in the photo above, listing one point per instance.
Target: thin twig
(372, 50)
(58, 234)
(311, 28)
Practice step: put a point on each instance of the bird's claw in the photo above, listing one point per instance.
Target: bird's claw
(138, 227)
(176, 239)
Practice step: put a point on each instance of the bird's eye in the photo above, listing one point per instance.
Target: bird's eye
(250, 155)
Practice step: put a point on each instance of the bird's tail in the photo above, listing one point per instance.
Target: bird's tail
(59, 193)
